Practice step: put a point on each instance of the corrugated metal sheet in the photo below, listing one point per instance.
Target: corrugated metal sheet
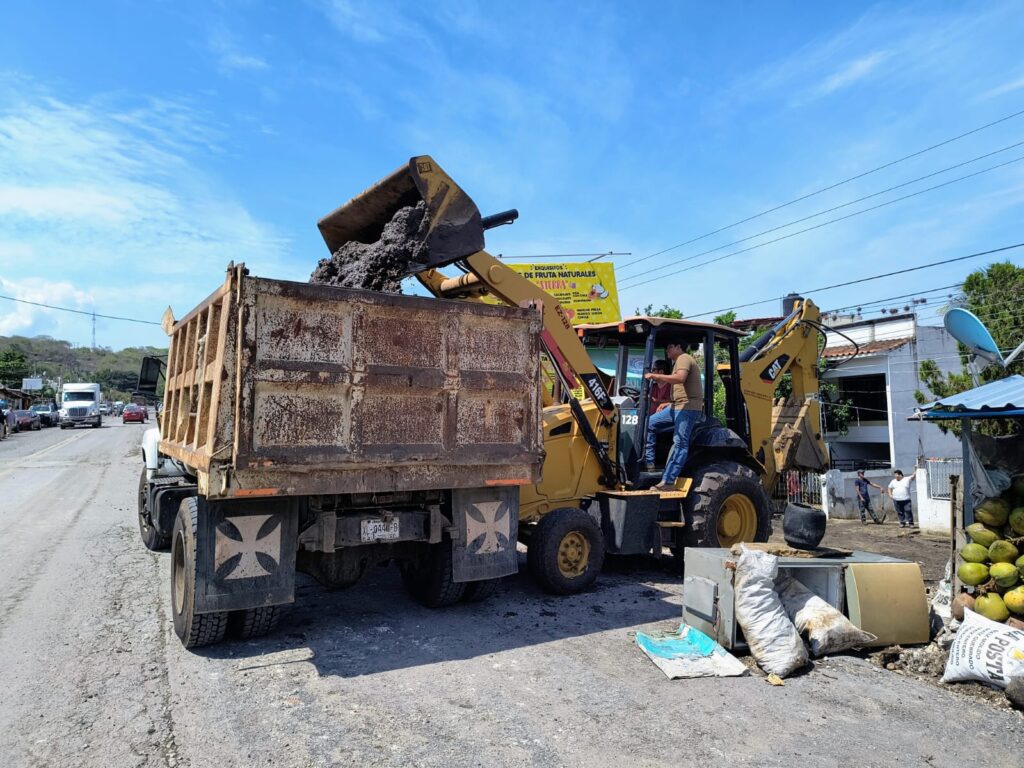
(998, 398)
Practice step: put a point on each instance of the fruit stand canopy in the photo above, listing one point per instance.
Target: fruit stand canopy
(998, 398)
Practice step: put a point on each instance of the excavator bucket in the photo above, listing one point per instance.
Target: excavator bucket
(455, 231)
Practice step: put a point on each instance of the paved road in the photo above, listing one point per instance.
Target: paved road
(93, 675)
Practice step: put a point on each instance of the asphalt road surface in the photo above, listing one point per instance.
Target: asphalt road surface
(92, 674)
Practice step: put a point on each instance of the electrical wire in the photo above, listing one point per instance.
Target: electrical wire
(862, 280)
(81, 311)
(816, 226)
(844, 205)
(838, 183)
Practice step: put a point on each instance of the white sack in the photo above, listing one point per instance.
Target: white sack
(773, 640)
(827, 629)
(985, 650)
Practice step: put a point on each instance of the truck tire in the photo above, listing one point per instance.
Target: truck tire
(253, 622)
(431, 581)
(151, 537)
(193, 629)
(566, 551)
(726, 505)
(478, 591)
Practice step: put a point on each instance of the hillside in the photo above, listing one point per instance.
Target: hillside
(54, 359)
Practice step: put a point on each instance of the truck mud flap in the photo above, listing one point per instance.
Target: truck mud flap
(487, 523)
(245, 553)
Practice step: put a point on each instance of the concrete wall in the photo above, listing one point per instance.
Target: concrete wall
(842, 502)
(930, 514)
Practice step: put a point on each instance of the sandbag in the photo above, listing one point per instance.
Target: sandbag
(828, 631)
(985, 650)
(773, 640)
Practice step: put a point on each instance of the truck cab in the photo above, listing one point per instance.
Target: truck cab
(80, 404)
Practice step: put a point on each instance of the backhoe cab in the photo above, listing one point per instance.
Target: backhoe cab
(593, 497)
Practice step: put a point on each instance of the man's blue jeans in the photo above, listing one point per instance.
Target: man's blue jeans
(683, 423)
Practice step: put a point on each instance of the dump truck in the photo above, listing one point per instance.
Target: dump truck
(321, 429)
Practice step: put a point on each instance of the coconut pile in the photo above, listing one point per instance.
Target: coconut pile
(382, 265)
(992, 562)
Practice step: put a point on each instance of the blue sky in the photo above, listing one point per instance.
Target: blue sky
(144, 146)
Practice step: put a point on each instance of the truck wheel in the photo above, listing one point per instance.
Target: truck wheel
(478, 591)
(566, 551)
(193, 629)
(151, 537)
(726, 505)
(253, 622)
(431, 581)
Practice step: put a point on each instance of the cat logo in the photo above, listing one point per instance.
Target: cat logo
(771, 373)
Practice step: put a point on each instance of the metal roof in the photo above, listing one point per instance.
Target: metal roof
(997, 398)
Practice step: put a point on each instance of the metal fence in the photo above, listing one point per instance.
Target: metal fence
(939, 471)
(798, 486)
(850, 465)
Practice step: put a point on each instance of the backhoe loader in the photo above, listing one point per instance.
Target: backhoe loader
(594, 496)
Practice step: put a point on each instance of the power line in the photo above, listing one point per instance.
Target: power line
(823, 224)
(864, 279)
(837, 184)
(845, 205)
(80, 312)
(567, 255)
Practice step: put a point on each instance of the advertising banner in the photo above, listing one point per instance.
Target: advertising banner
(586, 291)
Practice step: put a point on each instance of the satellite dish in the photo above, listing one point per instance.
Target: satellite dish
(965, 327)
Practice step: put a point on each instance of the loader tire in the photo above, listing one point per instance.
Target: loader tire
(478, 591)
(151, 537)
(431, 581)
(253, 622)
(726, 505)
(193, 629)
(566, 551)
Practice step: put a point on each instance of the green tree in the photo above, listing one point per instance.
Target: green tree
(13, 366)
(665, 311)
(993, 294)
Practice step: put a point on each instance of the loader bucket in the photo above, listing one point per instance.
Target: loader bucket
(455, 230)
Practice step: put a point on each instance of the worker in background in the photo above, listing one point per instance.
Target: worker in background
(862, 484)
(899, 492)
(685, 412)
(661, 394)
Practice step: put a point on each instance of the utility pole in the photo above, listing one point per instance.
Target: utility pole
(94, 331)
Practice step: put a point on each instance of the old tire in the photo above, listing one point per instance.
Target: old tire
(193, 629)
(726, 505)
(478, 591)
(151, 537)
(253, 622)
(431, 581)
(566, 551)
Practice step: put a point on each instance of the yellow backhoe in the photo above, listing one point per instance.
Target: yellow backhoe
(594, 496)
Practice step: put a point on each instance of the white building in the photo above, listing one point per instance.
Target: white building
(881, 380)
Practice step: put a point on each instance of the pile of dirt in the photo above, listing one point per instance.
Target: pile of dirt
(379, 266)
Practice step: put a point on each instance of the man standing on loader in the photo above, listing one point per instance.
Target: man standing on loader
(686, 411)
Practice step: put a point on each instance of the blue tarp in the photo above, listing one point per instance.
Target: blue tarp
(998, 398)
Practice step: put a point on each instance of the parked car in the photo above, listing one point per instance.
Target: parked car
(104, 409)
(49, 414)
(27, 420)
(133, 412)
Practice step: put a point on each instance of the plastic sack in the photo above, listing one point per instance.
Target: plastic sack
(985, 650)
(828, 631)
(774, 641)
(688, 652)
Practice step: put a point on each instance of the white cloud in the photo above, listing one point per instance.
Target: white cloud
(232, 56)
(17, 318)
(1001, 90)
(852, 72)
(107, 194)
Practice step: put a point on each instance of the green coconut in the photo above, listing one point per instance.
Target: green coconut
(991, 606)
(1002, 552)
(992, 512)
(1018, 486)
(972, 574)
(1020, 566)
(981, 534)
(974, 553)
(1005, 574)
(1014, 600)
(1016, 521)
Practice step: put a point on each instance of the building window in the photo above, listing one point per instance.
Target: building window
(867, 398)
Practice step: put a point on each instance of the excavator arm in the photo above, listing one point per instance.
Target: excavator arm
(785, 434)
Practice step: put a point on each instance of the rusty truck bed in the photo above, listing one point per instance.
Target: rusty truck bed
(283, 388)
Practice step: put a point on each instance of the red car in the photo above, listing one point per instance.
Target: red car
(26, 420)
(133, 412)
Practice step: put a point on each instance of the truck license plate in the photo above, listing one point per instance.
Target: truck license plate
(379, 530)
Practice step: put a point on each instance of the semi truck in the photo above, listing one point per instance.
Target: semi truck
(80, 404)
